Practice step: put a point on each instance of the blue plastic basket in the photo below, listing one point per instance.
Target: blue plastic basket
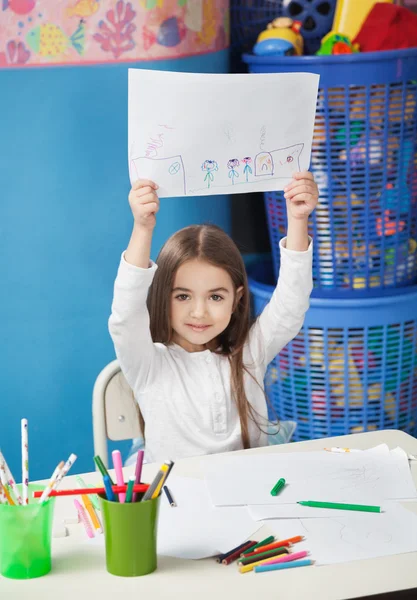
(364, 158)
(352, 367)
(249, 17)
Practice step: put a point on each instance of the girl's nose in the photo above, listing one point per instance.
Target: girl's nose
(198, 309)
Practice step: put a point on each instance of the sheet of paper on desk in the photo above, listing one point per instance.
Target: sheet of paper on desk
(204, 134)
(194, 528)
(361, 478)
(353, 536)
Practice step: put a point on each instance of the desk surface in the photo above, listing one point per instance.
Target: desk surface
(79, 569)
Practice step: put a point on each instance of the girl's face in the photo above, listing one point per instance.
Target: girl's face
(202, 302)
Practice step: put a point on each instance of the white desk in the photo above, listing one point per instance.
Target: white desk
(79, 570)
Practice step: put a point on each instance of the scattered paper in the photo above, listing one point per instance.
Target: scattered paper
(194, 528)
(353, 536)
(360, 478)
(202, 134)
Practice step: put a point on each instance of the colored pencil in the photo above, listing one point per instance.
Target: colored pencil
(7, 496)
(3, 499)
(252, 565)
(158, 481)
(227, 560)
(142, 487)
(287, 558)
(339, 506)
(278, 567)
(158, 489)
(44, 495)
(289, 541)
(138, 472)
(221, 557)
(267, 540)
(254, 545)
(60, 476)
(25, 461)
(9, 482)
(269, 554)
(169, 496)
(263, 549)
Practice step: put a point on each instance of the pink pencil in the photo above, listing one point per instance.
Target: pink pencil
(287, 558)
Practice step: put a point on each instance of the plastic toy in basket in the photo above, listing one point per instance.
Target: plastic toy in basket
(281, 38)
(336, 43)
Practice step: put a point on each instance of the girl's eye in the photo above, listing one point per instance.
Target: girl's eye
(216, 298)
(181, 297)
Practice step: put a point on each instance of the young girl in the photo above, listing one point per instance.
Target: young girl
(181, 328)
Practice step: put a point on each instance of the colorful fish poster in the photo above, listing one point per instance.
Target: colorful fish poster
(196, 134)
(56, 32)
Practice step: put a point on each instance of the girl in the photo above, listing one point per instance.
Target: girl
(182, 334)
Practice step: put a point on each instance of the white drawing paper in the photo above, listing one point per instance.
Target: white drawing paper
(195, 528)
(353, 536)
(203, 134)
(358, 478)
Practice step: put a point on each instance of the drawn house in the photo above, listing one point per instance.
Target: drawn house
(264, 164)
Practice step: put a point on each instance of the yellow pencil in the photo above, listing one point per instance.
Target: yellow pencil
(158, 488)
(247, 568)
(8, 496)
(90, 509)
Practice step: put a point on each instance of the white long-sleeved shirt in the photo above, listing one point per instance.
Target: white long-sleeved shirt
(185, 397)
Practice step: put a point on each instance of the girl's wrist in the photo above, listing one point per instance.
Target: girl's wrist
(297, 234)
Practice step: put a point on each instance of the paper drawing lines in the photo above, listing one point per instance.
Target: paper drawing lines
(167, 172)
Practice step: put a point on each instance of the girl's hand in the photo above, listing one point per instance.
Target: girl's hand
(144, 203)
(302, 195)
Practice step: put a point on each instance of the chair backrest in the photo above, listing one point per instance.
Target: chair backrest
(115, 411)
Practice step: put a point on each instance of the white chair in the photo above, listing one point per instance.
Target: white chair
(115, 410)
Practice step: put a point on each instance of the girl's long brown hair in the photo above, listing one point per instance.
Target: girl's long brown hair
(213, 245)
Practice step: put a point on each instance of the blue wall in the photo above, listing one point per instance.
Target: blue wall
(64, 222)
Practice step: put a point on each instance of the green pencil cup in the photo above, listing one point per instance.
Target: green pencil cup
(25, 538)
(130, 531)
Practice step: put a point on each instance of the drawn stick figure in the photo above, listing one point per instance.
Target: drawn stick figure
(247, 169)
(233, 174)
(209, 166)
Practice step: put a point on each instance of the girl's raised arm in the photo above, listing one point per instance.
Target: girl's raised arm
(129, 321)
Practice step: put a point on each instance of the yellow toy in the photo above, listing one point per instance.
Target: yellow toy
(281, 38)
(351, 14)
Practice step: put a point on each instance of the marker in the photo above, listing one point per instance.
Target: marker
(129, 493)
(278, 487)
(102, 468)
(109, 492)
(84, 519)
(118, 468)
(138, 472)
(336, 505)
(93, 516)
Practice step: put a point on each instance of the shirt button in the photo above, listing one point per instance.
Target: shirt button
(217, 396)
(208, 359)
